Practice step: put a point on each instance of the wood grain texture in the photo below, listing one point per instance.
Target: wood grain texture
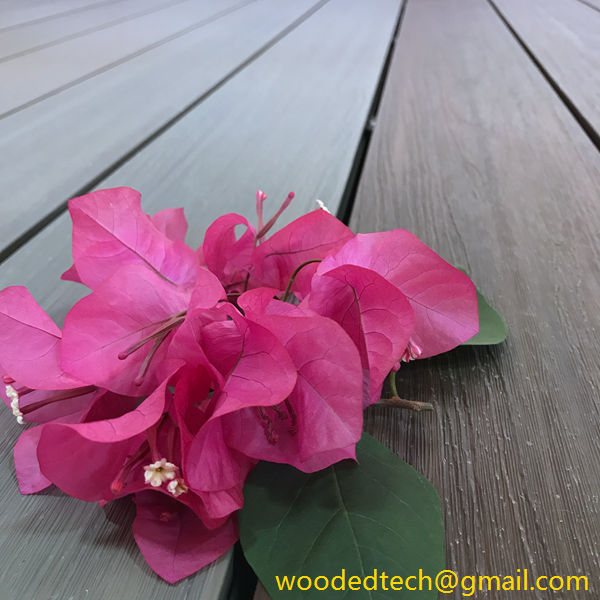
(565, 38)
(33, 77)
(31, 38)
(109, 115)
(285, 127)
(474, 153)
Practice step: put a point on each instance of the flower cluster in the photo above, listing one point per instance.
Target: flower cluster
(183, 368)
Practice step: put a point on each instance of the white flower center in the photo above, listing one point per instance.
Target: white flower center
(159, 472)
(177, 487)
(13, 395)
(412, 352)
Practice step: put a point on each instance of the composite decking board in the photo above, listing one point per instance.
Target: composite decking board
(565, 38)
(595, 4)
(32, 38)
(33, 78)
(19, 14)
(284, 130)
(306, 104)
(110, 115)
(475, 153)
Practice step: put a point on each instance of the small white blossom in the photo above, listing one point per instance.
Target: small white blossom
(14, 403)
(177, 487)
(412, 352)
(159, 472)
(322, 206)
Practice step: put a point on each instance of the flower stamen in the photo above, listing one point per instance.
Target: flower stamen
(271, 435)
(177, 487)
(264, 230)
(20, 411)
(293, 429)
(160, 471)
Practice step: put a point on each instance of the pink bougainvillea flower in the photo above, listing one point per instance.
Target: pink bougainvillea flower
(110, 230)
(309, 238)
(29, 475)
(320, 421)
(229, 245)
(128, 448)
(118, 336)
(375, 314)
(138, 452)
(108, 443)
(225, 470)
(443, 298)
(247, 367)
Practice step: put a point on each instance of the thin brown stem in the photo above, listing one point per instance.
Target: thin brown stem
(398, 402)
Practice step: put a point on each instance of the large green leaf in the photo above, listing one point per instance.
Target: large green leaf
(492, 329)
(378, 514)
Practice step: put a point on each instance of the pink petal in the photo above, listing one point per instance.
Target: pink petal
(310, 237)
(262, 300)
(172, 223)
(173, 540)
(30, 342)
(327, 398)
(221, 503)
(71, 274)
(211, 465)
(124, 310)
(110, 230)
(443, 298)
(27, 467)
(228, 256)
(104, 444)
(255, 370)
(263, 373)
(375, 314)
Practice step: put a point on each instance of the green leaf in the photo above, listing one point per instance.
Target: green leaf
(379, 514)
(492, 329)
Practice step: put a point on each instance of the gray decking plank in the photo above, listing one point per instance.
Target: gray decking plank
(299, 132)
(30, 38)
(592, 3)
(19, 14)
(475, 153)
(108, 116)
(565, 39)
(294, 120)
(34, 77)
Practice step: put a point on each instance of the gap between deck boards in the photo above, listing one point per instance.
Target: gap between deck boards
(582, 121)
(20, 241)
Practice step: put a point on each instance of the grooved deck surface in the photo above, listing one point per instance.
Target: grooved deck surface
(199, 102)
(565, 38)
(264, 94)
(499, 178)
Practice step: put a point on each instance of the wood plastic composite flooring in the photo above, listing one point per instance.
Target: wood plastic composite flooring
(475, 153)
(298, 86)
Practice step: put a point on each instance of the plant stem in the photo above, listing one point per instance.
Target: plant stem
(392, 380)
(398, 402)
(293, 277)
